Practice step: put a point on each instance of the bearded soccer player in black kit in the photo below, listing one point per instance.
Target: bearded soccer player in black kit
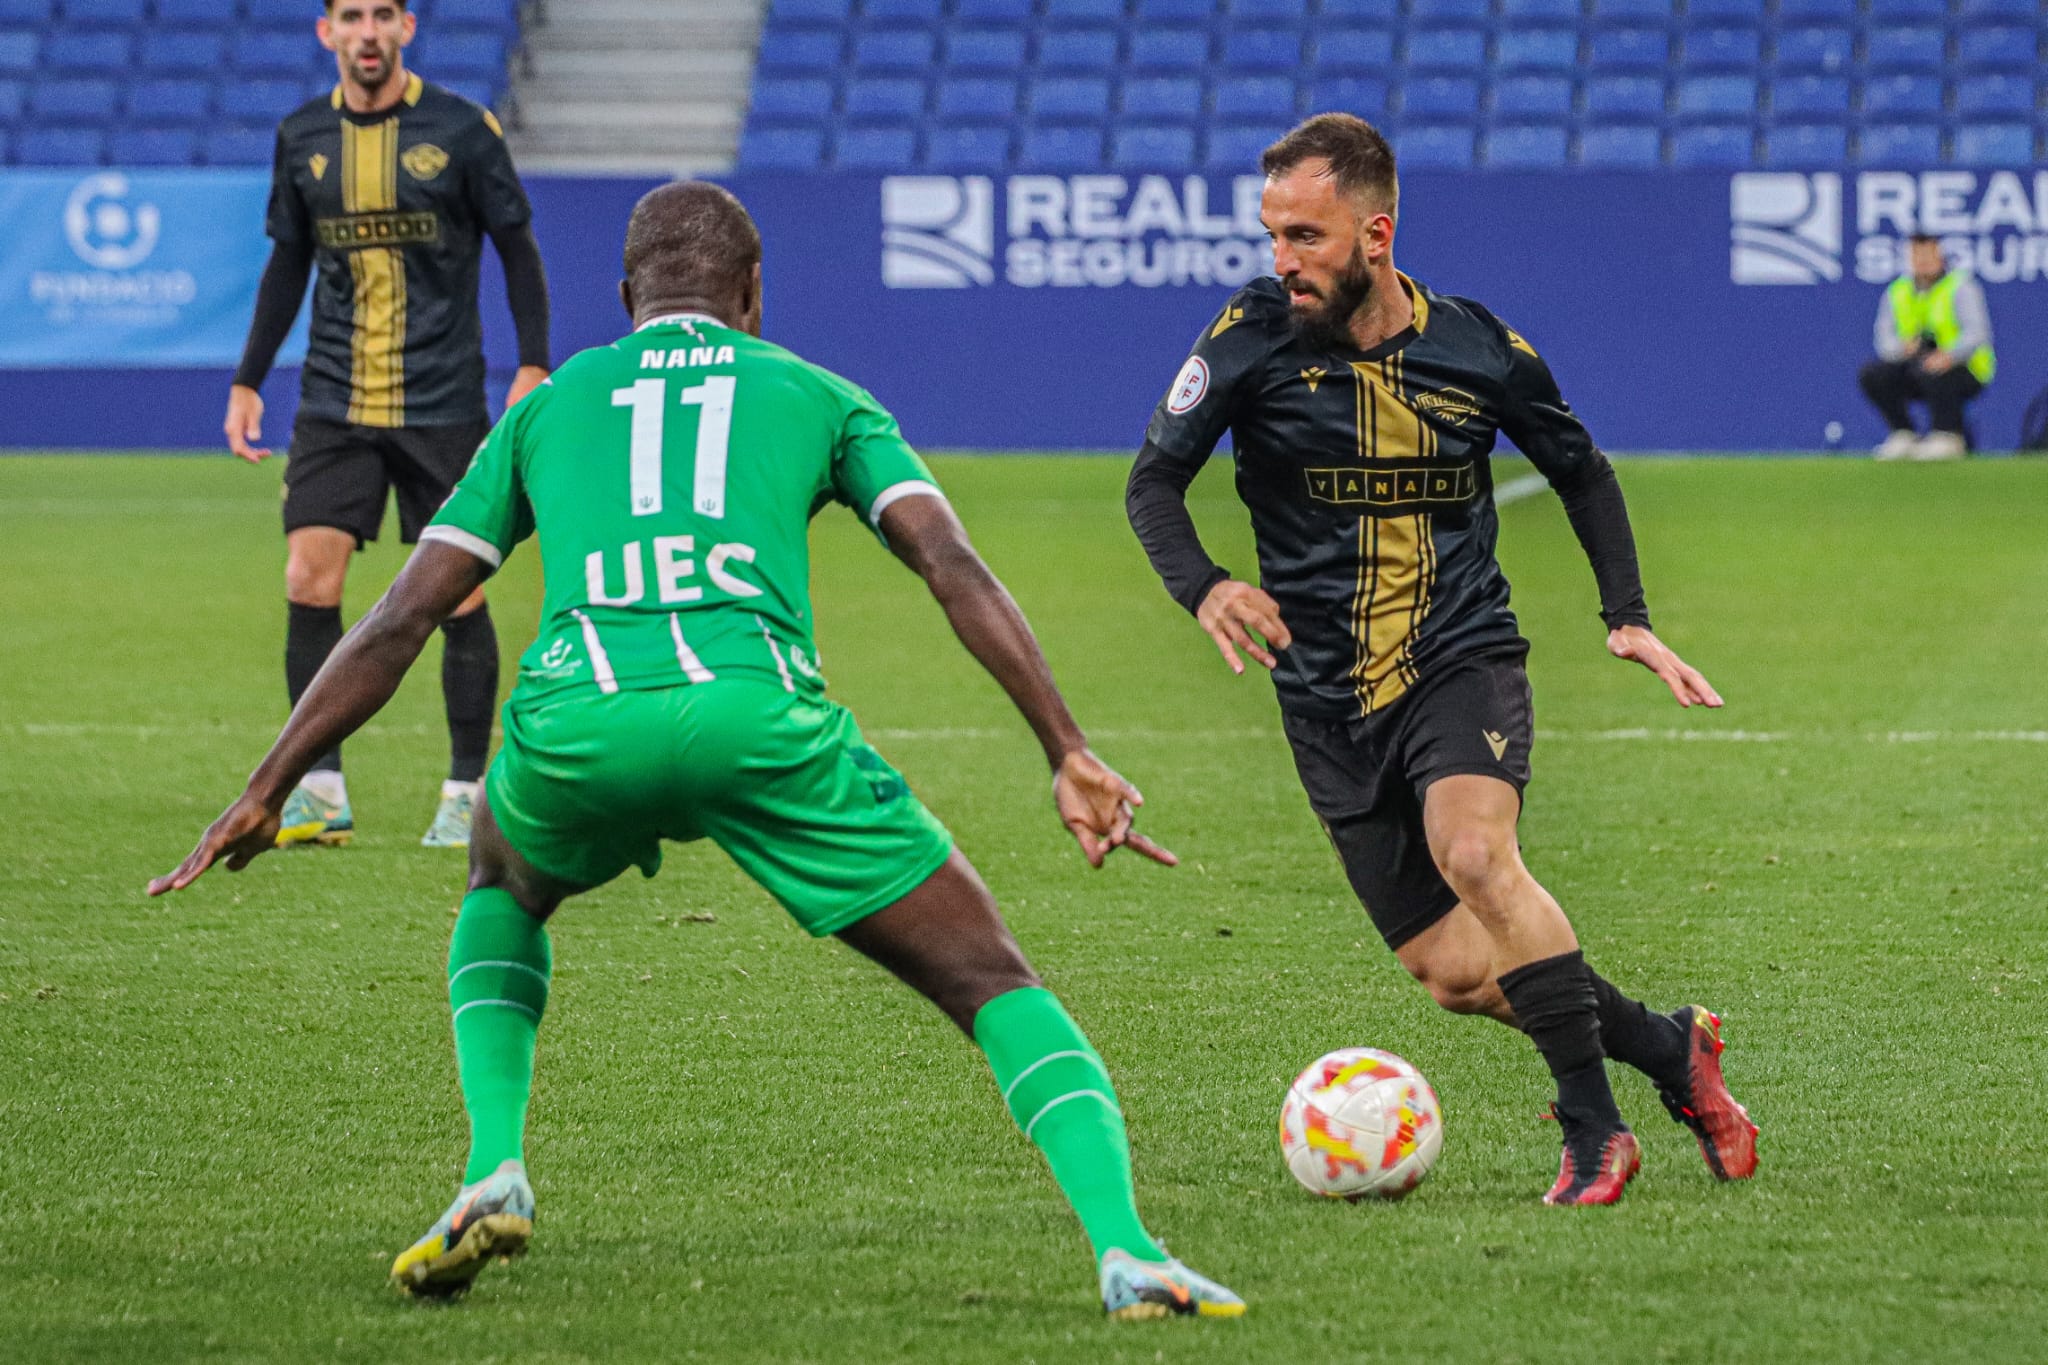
(390, 184)
(1363, 407)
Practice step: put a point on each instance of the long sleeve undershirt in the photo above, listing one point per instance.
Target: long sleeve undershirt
(278, 298)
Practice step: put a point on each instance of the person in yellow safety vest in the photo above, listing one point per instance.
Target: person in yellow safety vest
(1933, 345)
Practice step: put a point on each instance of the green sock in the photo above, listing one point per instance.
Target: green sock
(498, 964)
(1059, 1092)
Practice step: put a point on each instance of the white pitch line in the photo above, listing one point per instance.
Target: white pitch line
(1514, 490)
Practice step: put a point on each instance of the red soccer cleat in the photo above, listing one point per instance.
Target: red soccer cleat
(1727, 1138)
(1599, 1161)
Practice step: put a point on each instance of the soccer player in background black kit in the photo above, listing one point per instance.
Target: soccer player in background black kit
(1363, 408)
(391, 184)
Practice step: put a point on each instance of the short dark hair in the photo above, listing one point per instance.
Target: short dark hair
(1359, 158)
(690, 237)
(330, 4)
(1917, 238)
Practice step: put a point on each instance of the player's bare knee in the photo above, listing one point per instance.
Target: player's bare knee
(1458, 986)
(1479, 867)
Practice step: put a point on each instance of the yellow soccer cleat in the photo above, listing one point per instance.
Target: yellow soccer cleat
(308, 820)
(490, 1219)
(1133, 1290)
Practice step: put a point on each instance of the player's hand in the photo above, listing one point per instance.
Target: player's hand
(1685, 682)
(524, 382)
(1097, 806)
(244, 425)
(1240, 616)
(1937, 362)
(244, 830)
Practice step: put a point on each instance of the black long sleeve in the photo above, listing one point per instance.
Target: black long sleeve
(1592, 500)
(278, 297)
(526, 290)
(1155, 499)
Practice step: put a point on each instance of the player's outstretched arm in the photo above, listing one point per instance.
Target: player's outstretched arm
(1095, 803)
(352, 686)
(1685, 681)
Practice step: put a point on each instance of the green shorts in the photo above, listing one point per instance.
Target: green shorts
(587, 786)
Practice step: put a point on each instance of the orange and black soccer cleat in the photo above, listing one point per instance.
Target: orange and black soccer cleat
(1702, 1103)
(1599, 1161)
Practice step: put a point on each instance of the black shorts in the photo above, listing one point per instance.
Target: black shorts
(338, 473)
(1365, 779)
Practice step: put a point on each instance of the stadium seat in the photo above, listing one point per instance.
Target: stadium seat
(1365, 96)
(18, 49)
(1249, 97)
(1809, 98)
(1630, 49)
(982, 11)
(1994, 144)
(782, 149)
(260, 101)
(1815, 49)
(1921, 11)
(153, 147)
(985, 49)
(1363, 51)
(887, 97)
(1169, 49)
(900, 49)
(74, 101)
(1140, 147)
(1729, 12)
(800, 12)
(1620, 148)
(1720, 49)
(461, 52)
(1903, 49)
(1449, 11)
(2018, 11)
(967, 148)
(1167, 11)
(1164, 98)
(105, 51)
(1537, 49)
(1806, 146)
(1995, 94)
(217, 13)
(1085, 11)
(1630, 97)
(1712, 147)
(1717, 99)
(874, 149)
(1527, 148)
(498, 14)
(1269, 11)
(791, 98)
(1262, 49)
(802, 50)
(1435, 149)
(1542, 11)
(1532, 97)
(901, 11)
(1347, 12)
(1068, 98)
(1795, 12)
(61, 147)
(1446, 49)
(238, 146)
(1060, 149)
(275, 52)
(278, 12)
(977, 97)
(174, 50)
(1237, 147)
(110, 12)
(480, 92)
(1634, 11)
(1440, 99)
(1077, 49)
(1889, 97)
(14, 12)
(1899, 144)
(1997, 49)
(13, 100)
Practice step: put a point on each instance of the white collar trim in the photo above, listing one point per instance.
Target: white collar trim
(688, 318)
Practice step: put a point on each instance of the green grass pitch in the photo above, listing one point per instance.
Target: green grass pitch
(221, 1114)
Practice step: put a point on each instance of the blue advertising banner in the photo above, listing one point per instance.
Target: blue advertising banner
(1680, 310)
(110, 268)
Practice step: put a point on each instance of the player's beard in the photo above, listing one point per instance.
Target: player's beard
(375, 79)
(1326, 324)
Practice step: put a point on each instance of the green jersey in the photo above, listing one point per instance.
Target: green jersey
(671, 477)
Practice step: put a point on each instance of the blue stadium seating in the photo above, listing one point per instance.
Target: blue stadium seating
(1712, 146)
(1365, 96)
(461, 52)
(1532, 97)
(153, 147)
(1995, 94)
(1724, 12)
(1810, 98)
(1716, 98)
(1382, 12)
(260, 101)
(1899, 144)
(1816, 49)
(977, 97)
(1360, 51)
(102, 51)
(109, 12)
(1890, 97)
(265, 52)
(1634, 11)
(218, 13)
(801, 50)
(60, 147)
(874, 149)
(792, 98)
(13, 100)
(1062, 148)
(782, 149)
(1720, 49)
(1145, 148)
(1437, 99)
(1169, 49)
(1270, 11)
(18, 50)
(1446, 49)
(1163, 99)
(2004, 48)
(901, 11)
(1542, 11)
(1623, 147)
(2025, 11)
(77, 102)
(1994, 144)
(1077, 49)
(1450, 11)
(1528, 148)
(812, 11)
(1085, 11)
(1436, 148)
(155, 103)
(1254, 97)
(1630, 49)
(1537, 49)
(27, 11)
(1155, 11)
(1916, 11)
(1818, 11)
(1633, 98)
(1068, 98)
(1275, 50)
(1806, 146)
(967, 147)
(181, 50)
(1915, 48)
(978, 49)
(907, 49)
(1236, 147)
(280, 13)
(885, 97)
(1005, 11)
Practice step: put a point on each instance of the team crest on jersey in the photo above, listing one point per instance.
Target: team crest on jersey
(1189, 386)
(317, 164)
(1453, 406)
(1312, 376)
(424, 161)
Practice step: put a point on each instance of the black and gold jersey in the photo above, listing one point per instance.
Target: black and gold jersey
(1369, 485)
(395, 205)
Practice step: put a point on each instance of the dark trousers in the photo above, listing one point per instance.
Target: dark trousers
(1891, 385)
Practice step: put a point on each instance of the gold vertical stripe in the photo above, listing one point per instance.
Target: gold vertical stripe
(1396, 555)
(369, 184)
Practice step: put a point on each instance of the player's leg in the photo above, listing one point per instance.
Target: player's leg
(947, 940)
(1946, 393)
(1889, 386)
(424, 465)
(333, 501)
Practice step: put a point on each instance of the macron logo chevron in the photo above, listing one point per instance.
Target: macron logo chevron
(1785, 227)
(938, 231)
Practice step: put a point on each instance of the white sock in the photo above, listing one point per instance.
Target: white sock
(326, 784)
(453, 788)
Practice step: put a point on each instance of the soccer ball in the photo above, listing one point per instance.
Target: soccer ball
(1360, 1123)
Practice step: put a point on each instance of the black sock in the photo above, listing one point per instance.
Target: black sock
(310, 635)
(1631, 1033)
(469, 685)
(1553, 1001)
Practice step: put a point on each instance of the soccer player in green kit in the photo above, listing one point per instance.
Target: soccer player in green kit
(673, 693)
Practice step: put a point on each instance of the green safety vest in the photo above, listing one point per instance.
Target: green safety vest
(1934, 312)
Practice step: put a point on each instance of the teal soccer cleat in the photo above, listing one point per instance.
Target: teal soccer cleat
(453, 818)
(492, 1218)
(1133, 1289)
(309, 820)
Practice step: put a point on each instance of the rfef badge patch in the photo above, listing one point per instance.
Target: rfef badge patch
(1189, 386)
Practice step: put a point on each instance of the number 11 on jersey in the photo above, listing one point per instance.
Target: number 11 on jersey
(646, 397)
